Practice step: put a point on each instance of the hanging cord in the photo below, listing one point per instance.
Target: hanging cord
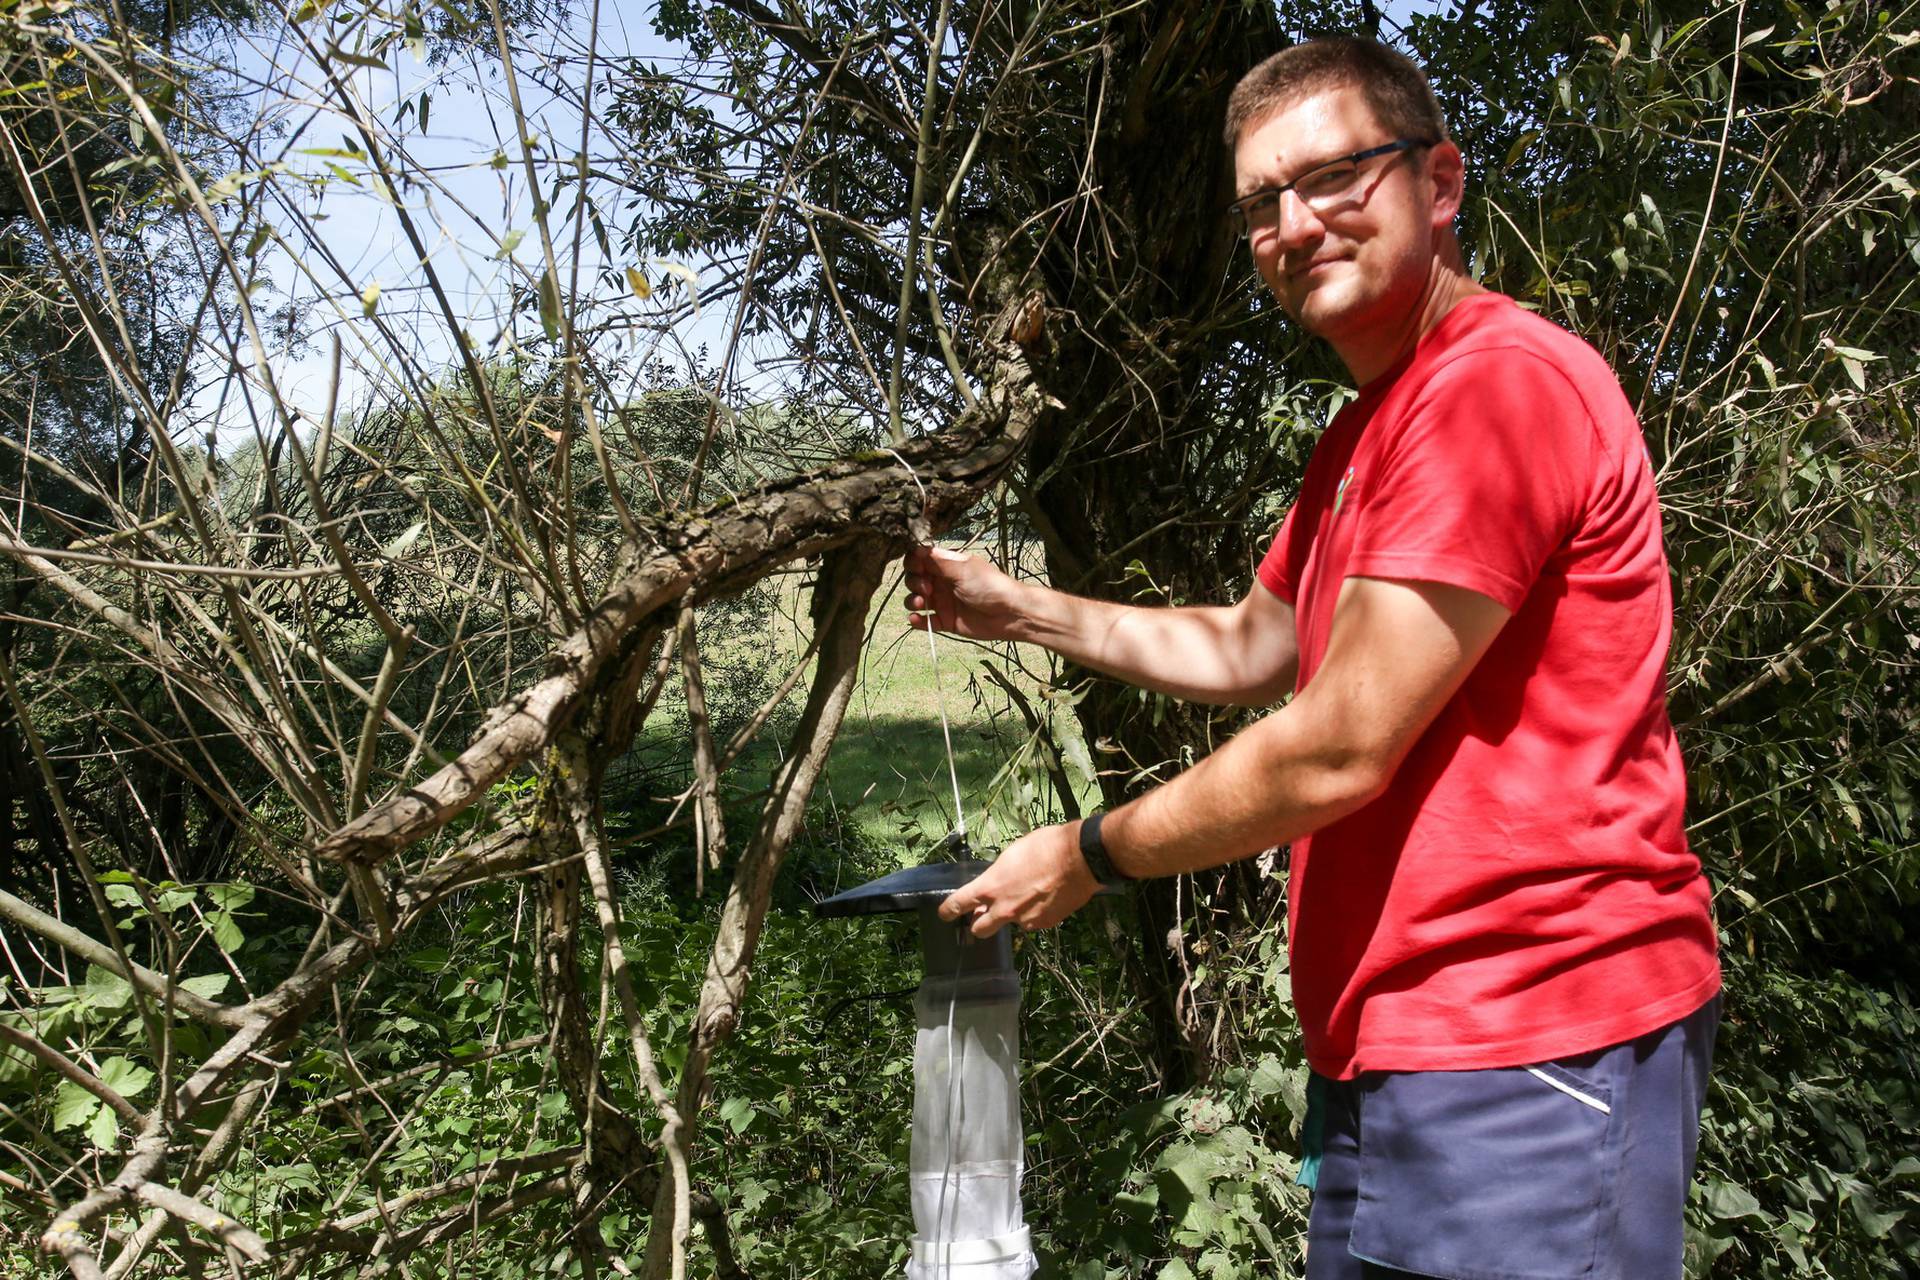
(953, 772)
(955, 1062)
(939, 693)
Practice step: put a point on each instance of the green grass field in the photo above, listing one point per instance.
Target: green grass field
(886, 784)
(887, 779)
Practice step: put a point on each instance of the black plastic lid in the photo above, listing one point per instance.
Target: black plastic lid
(905, 890)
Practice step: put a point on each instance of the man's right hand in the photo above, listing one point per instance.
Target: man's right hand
(966, 595)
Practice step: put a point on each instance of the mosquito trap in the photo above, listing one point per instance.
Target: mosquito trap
(966, 1153)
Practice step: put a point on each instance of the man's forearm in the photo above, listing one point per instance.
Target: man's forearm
(1278, 780)
(1191, 652)
(1399, 650)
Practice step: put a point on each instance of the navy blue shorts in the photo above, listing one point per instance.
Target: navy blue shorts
(1575, 1169)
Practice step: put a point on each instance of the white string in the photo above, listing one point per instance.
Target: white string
(953, 773)
(954, 1065)
(939, 693)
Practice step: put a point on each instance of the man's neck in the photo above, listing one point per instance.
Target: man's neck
(1446, 285)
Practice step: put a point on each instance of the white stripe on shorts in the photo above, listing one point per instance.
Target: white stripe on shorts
(1570, 1091)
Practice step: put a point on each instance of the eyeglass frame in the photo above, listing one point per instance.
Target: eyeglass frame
(1238, 209)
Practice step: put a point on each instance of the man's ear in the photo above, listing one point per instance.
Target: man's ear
(1448, 171)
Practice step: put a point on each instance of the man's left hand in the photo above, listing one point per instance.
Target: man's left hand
(1036, 882)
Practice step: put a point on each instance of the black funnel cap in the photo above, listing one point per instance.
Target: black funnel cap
(910, 889)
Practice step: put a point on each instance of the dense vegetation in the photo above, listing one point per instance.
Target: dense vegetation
(452, 460)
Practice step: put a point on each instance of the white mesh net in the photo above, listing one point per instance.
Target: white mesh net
(966, 1154)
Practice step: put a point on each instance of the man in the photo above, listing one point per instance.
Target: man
(1503, 958)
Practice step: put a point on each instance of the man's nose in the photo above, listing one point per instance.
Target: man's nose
(1297, 224)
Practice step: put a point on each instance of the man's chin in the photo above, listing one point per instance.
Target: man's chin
(1320, 310)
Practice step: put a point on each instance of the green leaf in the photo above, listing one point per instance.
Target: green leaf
(125, 1077)
(170, 900)
(104, 1129)
(550, 305)
(1655, 222)
(207, 986)
(1872, 1219)
(228, 187)
(1726, 1200)
(230, 897)
(1894, 182)
(106, 990)
(225, 932)
(737, 1113)
(357, 59)
(72, 1106)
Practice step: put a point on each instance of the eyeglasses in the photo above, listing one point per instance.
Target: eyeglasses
(1320, 188)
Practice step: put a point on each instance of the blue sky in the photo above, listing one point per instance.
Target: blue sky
(473, 203)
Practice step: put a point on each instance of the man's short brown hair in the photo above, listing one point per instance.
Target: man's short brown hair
(1395, 89)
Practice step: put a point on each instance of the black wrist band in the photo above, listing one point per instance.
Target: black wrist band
(1093, 851)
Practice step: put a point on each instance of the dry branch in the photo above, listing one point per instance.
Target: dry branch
(723, 549)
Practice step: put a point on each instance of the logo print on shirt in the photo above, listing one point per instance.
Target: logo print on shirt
(1340, 494)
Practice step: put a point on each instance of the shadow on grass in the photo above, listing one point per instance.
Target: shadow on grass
(888, 777)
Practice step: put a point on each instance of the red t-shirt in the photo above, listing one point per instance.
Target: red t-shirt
(1523, 890)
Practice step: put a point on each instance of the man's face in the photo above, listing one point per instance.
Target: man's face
(1353, 271)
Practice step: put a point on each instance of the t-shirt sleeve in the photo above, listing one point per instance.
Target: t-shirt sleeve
(1279, 570)
(1483, 480)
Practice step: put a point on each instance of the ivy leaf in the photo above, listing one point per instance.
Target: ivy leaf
(1874, 1221)
(1725, 1200)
